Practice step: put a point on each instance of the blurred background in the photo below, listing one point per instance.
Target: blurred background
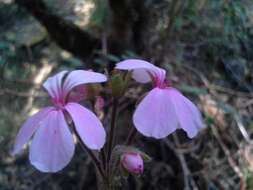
(205, 45)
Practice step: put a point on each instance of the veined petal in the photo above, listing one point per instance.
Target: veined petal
(141, 70)
(28, 128)
(188, 114)
(132, 64)
(141, 75)
(87, 125)
(53, 145)
(53, 85)
(155, 116)
(79, 77)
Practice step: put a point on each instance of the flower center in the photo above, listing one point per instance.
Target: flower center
(58, 104)
(160, 83)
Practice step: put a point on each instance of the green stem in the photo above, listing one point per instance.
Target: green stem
(111, 133)
(103, 158)
(130, 138)
(132, 134)
(91, 154)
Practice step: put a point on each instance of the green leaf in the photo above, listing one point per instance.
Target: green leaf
(2, 61)
(124, 173)
(4, 45)
(192, 90)
(113, 58)
(209, 120)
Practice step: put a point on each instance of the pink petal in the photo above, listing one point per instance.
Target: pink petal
(141, 70)
(132, 64)
(54, 85)
(188, 114)
(28, 128)
(141, 75)
(79, 77)
(53, 145)
(155, 116)
(87, 125)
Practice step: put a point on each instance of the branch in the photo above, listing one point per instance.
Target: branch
(230, 159)
(122, 19)
(7, 91)
(188, 180)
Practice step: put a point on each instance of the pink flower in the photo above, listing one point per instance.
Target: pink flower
(132, 162)
(164, 109)
(52, 146)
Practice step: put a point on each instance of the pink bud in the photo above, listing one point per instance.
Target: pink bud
(99, 104)
(132, 162)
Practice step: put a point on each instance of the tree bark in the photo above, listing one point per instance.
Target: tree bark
(125, 32)
(130, 19)
(66, 34)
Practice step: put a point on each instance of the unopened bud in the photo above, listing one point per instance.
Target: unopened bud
(99, 103)
(132, 162)
(99, 107)
(117, 85)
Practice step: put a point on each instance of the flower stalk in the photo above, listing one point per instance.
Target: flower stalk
(111, 134)
(93, 157)
(131, 136)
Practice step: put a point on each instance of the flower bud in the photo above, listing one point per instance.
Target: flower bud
(99, 103)
(117, 85)
(99, 107)
(132, 162)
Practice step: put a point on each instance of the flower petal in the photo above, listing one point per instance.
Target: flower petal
(79, 77)
(87, 125)
(28, 128)
(188, 114)
(53, 85)
(141, 70)
(53, 145)
(132, 64)
(155, 116)
(141, 75)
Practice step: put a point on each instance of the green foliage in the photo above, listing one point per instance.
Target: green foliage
(100, 15)
(218, 33)
(249, 181)
(222, 25)
(113, 58)
(193, 90)
(72, 62)
(7, 52)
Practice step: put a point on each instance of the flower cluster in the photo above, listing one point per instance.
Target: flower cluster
(163, 110)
